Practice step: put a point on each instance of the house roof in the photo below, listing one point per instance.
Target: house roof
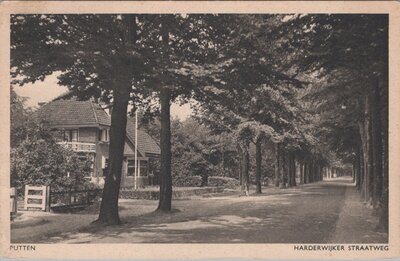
(72, 113)
(146, 144)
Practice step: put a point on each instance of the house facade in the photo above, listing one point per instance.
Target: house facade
(84, 127)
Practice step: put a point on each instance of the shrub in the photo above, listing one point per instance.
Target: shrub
(187, 181)
(225, 182)
(39, 160)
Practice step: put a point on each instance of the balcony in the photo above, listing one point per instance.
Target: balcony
(79, 146)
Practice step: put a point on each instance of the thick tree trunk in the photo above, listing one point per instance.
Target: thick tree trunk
(276, 164)
(122, 76)
(109, 203)
(376, 144)
(364, 184)
(258, 166)
(383, 219)
(164, 204)
(369, 149)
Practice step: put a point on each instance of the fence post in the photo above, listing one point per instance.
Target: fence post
(26, 197)
(48, 203)
(13, 197)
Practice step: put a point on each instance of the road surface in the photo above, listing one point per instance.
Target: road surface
(323, 212)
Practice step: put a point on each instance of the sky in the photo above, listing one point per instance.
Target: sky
(49, 89)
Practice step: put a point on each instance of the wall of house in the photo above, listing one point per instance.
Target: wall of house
(129, 181)
(126, 181)
(101, 153)
(89, 135)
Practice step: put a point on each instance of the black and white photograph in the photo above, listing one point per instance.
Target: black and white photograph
(200, 128)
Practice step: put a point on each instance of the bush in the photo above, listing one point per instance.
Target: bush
(187, 181)
(225, 182)
(39, 160)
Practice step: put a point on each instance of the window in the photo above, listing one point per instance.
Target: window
(105, 164)
(131, 168)
(71, 135)
(104, 135)
(142, 168)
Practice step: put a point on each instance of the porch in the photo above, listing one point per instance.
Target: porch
(79, 146)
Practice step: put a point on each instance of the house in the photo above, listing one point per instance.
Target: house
(84, 127)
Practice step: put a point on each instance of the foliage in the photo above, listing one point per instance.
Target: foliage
(187, 181)
(39, 160)
(226, 182)
(196, 150)
(19, 117)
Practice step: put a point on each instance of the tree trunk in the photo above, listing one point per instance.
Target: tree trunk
(362, 170)
(383, 219)
(283, 166)
(312, 171)
(109, 203)
(364, 159)
(122, 76)
(293, 168)
(289, 169)
(369, 150)
(164, 204)
(241, 171)
(376, 144)
(276, 165)
(357, 168)
(245, 173)
(305, 172)
(258, 166)
(301, 173)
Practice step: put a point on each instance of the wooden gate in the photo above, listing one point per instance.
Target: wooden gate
(36, 197)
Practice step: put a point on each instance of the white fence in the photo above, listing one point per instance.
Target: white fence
(38, 199)
(79, 146)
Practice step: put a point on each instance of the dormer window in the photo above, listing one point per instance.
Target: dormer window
(104, 135)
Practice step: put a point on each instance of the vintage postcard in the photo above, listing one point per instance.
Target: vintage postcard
(199, 129)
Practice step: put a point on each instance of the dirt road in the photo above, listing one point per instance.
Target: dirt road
(313, 213)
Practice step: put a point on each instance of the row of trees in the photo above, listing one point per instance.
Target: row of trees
(274, 79)
(352, 96)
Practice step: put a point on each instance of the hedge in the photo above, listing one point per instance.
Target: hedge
(155, 195)
(187, 181)
(230, 183)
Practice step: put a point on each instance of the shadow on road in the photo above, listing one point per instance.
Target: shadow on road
(303, 214)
